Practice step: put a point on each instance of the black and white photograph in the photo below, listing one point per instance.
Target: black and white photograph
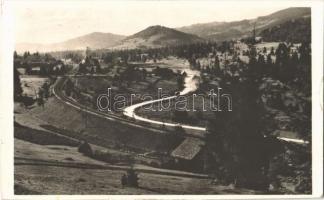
(163, 98)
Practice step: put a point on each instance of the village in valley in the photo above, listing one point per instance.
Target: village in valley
(257, 140)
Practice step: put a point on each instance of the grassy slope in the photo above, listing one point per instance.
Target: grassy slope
(71, 122)
(39, 179)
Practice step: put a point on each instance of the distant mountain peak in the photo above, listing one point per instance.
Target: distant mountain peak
(154, 30)
(156, 26)
(157, 36)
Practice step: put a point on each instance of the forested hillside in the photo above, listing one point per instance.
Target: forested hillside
(294, 31)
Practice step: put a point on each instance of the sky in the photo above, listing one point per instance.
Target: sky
(56, 21)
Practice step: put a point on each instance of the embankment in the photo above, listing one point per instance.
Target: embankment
(67, 120)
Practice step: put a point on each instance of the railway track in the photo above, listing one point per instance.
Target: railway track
(57, 91)
(138, 168)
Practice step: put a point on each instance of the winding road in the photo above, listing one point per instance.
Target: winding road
(190, 86)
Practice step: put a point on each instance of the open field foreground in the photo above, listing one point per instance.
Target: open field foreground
(53, 168)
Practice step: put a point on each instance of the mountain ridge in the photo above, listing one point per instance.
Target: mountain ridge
(161, 36)
(157, 36)
(219, 31)
(94, 40)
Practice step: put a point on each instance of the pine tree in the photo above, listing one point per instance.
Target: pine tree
(17, 85)
(15, 55)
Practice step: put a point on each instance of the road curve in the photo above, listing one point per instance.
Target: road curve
(57, 92)
(189, 86)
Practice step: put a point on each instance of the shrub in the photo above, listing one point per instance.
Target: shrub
(85, 148)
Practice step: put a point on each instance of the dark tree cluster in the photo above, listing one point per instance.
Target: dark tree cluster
(39, 64)
(236, 137)
(90, 65)
(238, 150)
(187, 51)
(297, 30)
(17, 85)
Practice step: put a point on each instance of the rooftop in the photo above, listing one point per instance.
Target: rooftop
(188, 149)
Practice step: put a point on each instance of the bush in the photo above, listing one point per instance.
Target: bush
(132, 178)
(110, 158)
(85, 149)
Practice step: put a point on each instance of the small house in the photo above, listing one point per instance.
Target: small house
(21, 70)
(188, 155)
(35, 71)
